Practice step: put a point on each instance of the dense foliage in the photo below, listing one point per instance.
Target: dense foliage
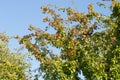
(12, 65)
(88, 42)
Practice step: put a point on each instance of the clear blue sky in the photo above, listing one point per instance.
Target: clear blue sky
(17, 15)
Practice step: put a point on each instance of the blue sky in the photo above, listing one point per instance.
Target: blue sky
(17, 15)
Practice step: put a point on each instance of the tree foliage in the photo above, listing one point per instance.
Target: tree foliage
(12, 65)
(88, 42)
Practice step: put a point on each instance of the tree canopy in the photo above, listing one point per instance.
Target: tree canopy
(88, 42)
(12, 65)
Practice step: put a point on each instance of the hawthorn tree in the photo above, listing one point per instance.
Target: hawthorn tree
(88, 42)
(12, 65)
